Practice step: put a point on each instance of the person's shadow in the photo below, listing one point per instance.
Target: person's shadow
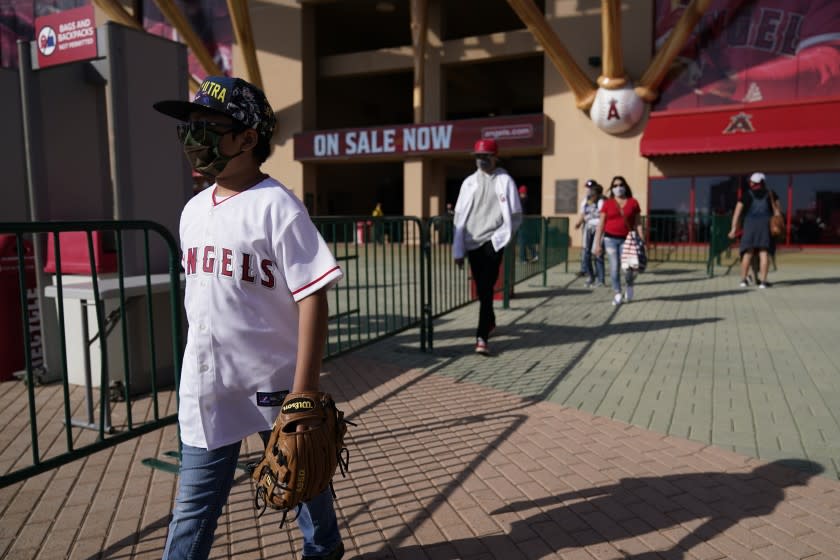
(633, 507)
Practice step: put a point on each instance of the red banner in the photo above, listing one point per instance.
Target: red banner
(513, 133)
(748, 52)
(66, 36)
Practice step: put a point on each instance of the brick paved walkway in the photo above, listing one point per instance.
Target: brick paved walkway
(661, 429)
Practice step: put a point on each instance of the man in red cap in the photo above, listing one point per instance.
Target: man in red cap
(487, 214)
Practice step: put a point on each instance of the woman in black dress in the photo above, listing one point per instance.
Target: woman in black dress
(755, 205)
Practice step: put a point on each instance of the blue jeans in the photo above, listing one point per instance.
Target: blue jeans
(613, 247)
(205, 481)
(586, 258)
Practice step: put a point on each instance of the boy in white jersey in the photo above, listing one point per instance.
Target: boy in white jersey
(257, 273)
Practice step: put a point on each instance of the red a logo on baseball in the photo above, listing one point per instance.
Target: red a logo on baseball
(613, 112)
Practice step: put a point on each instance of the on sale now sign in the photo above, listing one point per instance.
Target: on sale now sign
(67, 36)
(522, 133)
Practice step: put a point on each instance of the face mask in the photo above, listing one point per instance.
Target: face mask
(484, 164)
(619, 191)
(204, 156)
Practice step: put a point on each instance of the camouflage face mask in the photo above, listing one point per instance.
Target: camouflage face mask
(202, 150)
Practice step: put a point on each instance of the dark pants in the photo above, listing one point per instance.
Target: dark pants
(484, 264)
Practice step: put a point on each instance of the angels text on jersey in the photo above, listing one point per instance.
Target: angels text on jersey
(222, 262)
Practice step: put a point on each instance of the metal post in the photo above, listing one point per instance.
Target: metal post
(425, 285)
(86, 353)
(544, 251)
(30, 95)
(508, 259)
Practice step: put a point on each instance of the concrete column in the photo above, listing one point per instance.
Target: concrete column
(413, 195)
(424, 185)
(309, 185)
(285, 53)
(435, 188)
(433, 90)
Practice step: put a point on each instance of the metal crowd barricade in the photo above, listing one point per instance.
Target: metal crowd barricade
(115, 422)
(678, 238)
(449, 285)
(528, 252)
(556, 241)
(719, 242)
(398, 274)
(384, 278)
(687, 238)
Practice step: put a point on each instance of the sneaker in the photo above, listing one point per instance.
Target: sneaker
(481, 347)
(588, 283)
(763, 285)
(536, 258)
(616, 300)
(600, 285)
(744, 283)
(336, 554)
(628, 293)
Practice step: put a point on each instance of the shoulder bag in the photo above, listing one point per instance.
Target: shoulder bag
(777, 220)
(633, 254)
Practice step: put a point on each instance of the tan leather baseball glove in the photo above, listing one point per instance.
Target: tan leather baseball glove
(298, 464)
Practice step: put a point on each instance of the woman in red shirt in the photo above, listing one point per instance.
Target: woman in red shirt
(619, 214)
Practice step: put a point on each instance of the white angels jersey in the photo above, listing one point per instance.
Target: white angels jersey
(248, 260)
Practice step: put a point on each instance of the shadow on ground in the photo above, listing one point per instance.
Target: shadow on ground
(525, 335)
(631, 508)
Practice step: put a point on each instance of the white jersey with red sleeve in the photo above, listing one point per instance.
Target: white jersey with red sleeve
(248, 260)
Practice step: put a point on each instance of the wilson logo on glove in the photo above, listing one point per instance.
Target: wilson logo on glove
(297, 404)
(304, 450)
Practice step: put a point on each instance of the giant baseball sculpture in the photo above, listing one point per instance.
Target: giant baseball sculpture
(616, 106)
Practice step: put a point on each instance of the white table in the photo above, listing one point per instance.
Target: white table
(109, 288)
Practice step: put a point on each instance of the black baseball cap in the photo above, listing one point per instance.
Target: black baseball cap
(226, 95)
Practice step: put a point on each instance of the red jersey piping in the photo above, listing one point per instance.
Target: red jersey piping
(327, 273)
(228, 198)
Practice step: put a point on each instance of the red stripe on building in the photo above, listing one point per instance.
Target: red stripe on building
(743, 127)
